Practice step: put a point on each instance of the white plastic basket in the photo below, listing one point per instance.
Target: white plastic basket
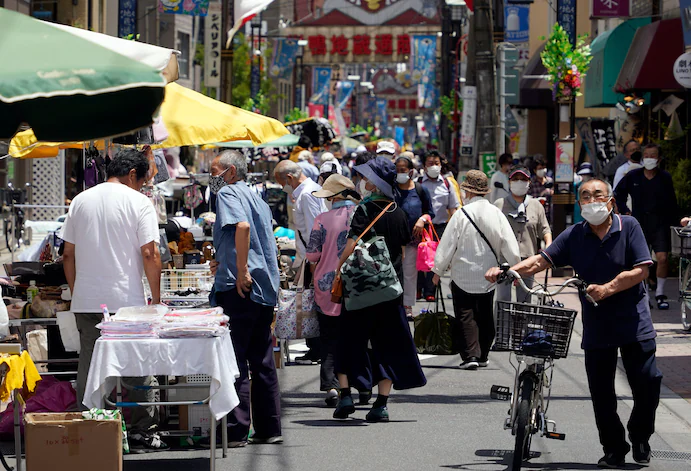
(177, 282)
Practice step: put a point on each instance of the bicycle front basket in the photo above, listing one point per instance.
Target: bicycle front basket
(518, 322)
(681, 242)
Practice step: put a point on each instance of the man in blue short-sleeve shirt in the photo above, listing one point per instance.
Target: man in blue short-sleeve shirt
(246, 286)
(611, 254)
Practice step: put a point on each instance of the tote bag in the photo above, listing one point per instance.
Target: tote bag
(368, 274)
(297, 315)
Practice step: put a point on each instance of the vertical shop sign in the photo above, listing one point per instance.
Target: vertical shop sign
(517, 21)
(566, 17)
(469, 95)
(563, 166)
(424, 69)
(212, 46)
(488, 163)
(127, 18)
(685, 13)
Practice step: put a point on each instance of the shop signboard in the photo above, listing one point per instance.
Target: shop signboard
(517, 21)
(563, 164)
(488, 163)
(284, 53)
(127, 18)
(610, 8)
(212, 46)
(469, 95)
(682, 70)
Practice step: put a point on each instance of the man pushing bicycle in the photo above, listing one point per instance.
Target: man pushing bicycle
(610, 253)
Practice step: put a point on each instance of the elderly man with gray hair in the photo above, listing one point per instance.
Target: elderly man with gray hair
(246, 286)
(306, 208)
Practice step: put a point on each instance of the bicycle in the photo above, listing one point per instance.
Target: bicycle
(13, 218)
(537, 334)
(681, 246)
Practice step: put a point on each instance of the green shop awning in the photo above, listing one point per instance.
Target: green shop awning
(609, 51)
(289, 140)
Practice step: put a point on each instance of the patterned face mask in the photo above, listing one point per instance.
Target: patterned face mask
(217, 182)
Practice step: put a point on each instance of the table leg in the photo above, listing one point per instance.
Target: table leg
(17, 434)
(118, 395)
(224, 434)
(213, 442)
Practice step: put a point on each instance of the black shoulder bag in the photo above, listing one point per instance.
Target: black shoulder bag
(481, 233)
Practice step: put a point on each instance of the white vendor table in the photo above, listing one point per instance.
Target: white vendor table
(115, 358)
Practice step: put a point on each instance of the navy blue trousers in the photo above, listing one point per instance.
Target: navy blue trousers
(250, 330)
(644, 378)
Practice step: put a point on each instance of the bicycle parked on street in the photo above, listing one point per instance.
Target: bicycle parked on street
(681, 246)
(536, 335)
(13, 218)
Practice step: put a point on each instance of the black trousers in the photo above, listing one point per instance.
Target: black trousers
(425, 279)
(250, 330)
(328, 334)
(644, 379)
(476, 322)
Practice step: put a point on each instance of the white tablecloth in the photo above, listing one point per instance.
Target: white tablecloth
(177, 357)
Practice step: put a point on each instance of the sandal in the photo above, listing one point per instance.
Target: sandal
(662, 303)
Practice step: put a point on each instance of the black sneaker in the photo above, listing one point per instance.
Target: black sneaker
(613, 460)
(641, 452)
(365, 397)
(470, 364)
(307, 359)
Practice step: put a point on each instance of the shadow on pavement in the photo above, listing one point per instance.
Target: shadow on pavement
(192, 464)
(504, 457)
(332, 423)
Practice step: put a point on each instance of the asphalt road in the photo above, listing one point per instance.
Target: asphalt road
(449, 424)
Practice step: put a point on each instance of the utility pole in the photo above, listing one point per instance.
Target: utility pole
(226, 54)
(482, 38)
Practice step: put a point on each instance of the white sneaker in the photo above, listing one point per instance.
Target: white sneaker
(483, 364)
(470, 364)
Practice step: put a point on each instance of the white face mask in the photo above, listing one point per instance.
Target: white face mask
(519, 187)
(595, 213)
(364, 192)
(329, 205)
(541, 173)
(288, 189)
(402, 178)
(649, 163)
(433, 171)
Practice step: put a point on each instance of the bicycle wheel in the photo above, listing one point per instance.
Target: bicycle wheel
(685, 287)
(521, 450)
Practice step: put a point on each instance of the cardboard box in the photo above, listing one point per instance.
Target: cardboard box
(66, 442)
(196, 419)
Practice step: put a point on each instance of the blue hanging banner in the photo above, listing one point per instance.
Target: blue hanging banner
(424, 67)
(400, 135)
(344, 90)
(127, 18)
(566, 17)
(321, 85)
(382, 115)
(283, 60)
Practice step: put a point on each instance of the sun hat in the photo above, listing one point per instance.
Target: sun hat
(475, 182)
(386, 147)
(381, 172)
(334, 185)
(331, 166)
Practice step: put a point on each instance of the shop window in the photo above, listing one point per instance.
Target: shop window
(184, 57)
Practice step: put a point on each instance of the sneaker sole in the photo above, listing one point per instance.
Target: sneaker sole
(470, 367)
(306, 362)
(377, 420)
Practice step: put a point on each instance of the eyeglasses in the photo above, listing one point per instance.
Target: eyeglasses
(599, 197)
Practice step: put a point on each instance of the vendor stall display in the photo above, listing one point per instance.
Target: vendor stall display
(63, 90)
(318, 130)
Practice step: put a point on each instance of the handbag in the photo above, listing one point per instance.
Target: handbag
(297, 315)
(368, 274)
(427, 249)
(435, 331)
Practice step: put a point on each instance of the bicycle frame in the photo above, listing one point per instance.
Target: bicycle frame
(537, 368)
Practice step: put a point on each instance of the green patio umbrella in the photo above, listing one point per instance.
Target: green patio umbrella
(68, 88)
(289, 140)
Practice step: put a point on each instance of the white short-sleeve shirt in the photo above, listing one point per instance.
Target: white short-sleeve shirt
(108, 224)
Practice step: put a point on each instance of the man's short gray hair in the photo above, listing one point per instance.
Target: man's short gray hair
(234, 158)
(610, 191)
(288, 167)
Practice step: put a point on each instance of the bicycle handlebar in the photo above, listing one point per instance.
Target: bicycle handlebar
(508, 274)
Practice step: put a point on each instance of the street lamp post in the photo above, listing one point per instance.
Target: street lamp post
(300, 72)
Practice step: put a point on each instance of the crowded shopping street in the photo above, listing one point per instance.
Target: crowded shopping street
(334, 234)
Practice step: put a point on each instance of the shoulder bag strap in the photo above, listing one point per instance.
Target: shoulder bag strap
(374, 222)
(481, 233)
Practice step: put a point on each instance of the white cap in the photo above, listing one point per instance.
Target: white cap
(386, 147)
(330, 167)
(326, 157)
(361, 148)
